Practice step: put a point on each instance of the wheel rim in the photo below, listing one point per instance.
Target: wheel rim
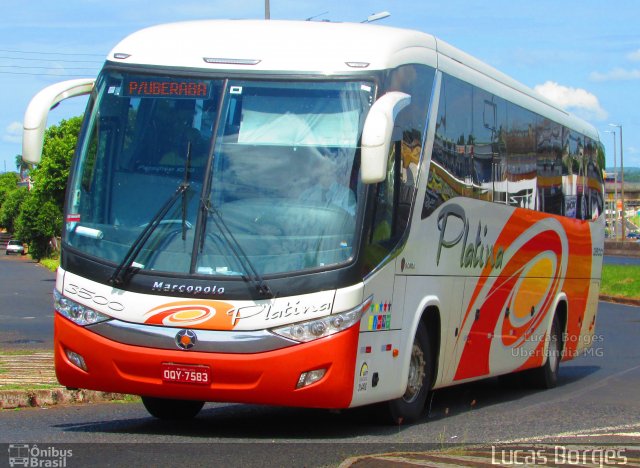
(416, 374)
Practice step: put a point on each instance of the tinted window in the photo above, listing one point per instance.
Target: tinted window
(490, 149)
(521, 160)
(394, 197)
(549, 167)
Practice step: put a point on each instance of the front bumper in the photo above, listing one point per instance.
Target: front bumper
(265, 378)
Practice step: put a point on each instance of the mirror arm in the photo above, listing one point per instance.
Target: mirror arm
(377, 133)
(35, 117)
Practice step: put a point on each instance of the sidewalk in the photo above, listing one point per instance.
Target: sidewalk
(29, 380)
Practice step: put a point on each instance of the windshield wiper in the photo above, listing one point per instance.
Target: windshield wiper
(185, 181)
(119, 276)
(251, 273)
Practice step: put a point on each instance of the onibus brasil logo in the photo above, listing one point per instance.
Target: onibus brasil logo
(34, 456)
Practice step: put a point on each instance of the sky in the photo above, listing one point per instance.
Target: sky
(582, 54)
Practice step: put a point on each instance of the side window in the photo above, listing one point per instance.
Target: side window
(595, 201)
(549, 167)
(469, 151)
(573, 174)
(384, 220)
(490, 149)
(394, 197)
(454, 142)
(490, 152)
(451, 170)
(521, 159)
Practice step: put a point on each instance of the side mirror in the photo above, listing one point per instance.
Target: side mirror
(35, 118)
(376, 135)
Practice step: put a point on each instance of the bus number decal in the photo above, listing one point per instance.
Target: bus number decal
(84, 293)
(363, 378)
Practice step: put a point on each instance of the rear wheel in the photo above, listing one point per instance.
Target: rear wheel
(547, 375)
(410, 407)
(165, 408)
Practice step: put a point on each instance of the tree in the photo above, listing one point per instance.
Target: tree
(8, 183)
(50, 176)
(40, 217)
(10, 209)
(38, 223)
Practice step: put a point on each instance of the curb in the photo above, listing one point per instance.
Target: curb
(30, 371)
(13, 399)
(619, 300)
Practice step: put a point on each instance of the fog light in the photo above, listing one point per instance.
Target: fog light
(76, 360)
(307, 378)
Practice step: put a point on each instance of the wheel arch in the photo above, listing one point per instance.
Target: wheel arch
(562, 311)
(432, 321)
(428, 313)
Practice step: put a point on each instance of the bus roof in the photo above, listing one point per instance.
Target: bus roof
(322, 48)
(288, 46)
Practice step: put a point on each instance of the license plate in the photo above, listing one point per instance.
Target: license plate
(183, 373)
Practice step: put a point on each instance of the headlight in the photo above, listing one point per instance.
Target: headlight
(75, 312)
(325, 326)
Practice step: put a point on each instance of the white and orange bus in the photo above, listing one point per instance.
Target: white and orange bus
(318, 215)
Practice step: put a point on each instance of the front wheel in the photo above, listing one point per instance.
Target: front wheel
(410, 407)
(165, 408)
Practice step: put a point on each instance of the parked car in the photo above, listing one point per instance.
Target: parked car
(15, 246)
(633, 235)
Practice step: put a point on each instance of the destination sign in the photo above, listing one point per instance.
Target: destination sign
(167, 88)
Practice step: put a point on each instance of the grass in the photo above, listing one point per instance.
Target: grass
(50, 263)
(621, 281)
(29, 387)
(128, 399)
(18, 352)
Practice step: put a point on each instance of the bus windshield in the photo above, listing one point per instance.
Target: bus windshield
(276, 162)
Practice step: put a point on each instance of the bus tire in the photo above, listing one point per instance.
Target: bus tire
(169, 409)
(546, 377)
(410, 407)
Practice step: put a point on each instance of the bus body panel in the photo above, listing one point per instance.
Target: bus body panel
(269, 377)
(378, 370)
(203, 313)
(495, 271)
(514, 264)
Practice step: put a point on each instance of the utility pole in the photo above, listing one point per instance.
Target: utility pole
(615, 186)
(624, 214)
(267, 10)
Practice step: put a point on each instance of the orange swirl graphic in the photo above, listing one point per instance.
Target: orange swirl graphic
(511, 297)
(204, 315)
(547, 255)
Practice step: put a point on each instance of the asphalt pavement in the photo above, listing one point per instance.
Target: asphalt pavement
(26, 306)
